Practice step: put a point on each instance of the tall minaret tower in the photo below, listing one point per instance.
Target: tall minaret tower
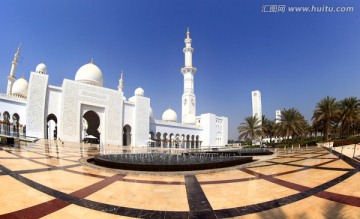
(11, 77)
(188, 98)
(121, 82)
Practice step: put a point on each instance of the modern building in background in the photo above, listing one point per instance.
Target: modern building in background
(82, 108)
(256, 111)
(256, 104)
(277, 116)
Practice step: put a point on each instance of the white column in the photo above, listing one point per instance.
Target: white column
(188, 97)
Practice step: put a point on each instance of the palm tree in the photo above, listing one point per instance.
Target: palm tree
(350, 115)
(292, 124)
(318, 128)
(307, 133)
(326, 112)
(268, 127)
(251, 128)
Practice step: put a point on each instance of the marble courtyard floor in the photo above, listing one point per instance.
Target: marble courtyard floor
(45, 180)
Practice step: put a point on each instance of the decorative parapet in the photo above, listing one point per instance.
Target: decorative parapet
(175, 124)
(129, 103)
(12, 97)
(52, 87)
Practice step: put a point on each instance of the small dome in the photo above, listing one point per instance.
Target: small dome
(41, 68)
(89, 74)
(150, 113)
(139, 91)
(20, 87)
(190, 119)
(169, 115)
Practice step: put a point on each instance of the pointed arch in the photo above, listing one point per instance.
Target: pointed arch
(158, 139)
(51, 121)
(6, 122)
(127, 135)
(152, 138)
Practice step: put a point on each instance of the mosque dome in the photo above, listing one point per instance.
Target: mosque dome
(139, 91)
(190, 119)
(41, 68)
(90, 74)
(169, 115)
(20, 87)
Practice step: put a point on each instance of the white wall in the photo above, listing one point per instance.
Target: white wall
(215, 132)
(128, 115)
(207, 122)
(77, 94)
(36, 103)
(141, 121)
(53, 101)
(225, 131)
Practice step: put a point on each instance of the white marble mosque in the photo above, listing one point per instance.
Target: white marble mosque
(81, 109)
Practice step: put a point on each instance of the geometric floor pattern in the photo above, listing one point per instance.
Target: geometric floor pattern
(46, 181)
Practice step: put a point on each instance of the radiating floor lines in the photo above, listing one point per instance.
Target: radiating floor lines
(41, 181)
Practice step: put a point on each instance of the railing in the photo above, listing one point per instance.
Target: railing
(11, 133)
(352, 150)
(325, 144)
(11, 130)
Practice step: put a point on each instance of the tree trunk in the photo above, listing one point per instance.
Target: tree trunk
(326, 131)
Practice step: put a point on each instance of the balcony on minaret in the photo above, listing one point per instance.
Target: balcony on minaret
(188, 70)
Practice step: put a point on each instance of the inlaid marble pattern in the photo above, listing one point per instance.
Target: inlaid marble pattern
(45, 180)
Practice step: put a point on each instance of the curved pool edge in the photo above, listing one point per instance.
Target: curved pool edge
(84, 162)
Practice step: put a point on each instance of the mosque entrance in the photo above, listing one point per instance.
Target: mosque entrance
(92, 121)
(51, 127)
(126, 135)
(15, 127)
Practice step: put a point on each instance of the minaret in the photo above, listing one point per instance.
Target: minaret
(277, 116)
(121, 82)
(11, 77)
(188, 98)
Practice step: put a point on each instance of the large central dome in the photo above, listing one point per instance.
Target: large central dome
(90, 74)
(169, 116)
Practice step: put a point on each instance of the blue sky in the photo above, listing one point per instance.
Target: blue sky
(294, 59)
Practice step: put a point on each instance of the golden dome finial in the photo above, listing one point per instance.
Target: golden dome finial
(188, 31)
